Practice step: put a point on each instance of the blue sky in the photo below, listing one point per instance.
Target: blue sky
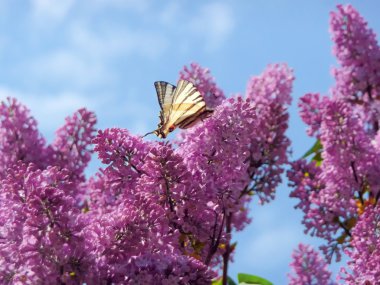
(57, 56)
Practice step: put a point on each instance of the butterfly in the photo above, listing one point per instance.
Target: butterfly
(181, 106)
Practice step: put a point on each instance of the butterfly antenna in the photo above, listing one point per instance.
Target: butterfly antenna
(148, 134)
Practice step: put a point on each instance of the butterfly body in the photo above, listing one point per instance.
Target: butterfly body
(181, 106)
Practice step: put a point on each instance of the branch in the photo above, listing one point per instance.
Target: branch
(215, 243)
(226, 255)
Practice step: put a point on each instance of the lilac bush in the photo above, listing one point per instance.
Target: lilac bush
(164, 212)
(337, 182)
(158, 212)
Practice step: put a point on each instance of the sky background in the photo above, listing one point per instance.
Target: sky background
(57, 56)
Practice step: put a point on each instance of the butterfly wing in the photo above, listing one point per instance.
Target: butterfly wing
(192, 120)
(165, 92)
(187, 105)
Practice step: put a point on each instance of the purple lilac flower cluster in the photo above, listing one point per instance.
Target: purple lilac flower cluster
(41, 239)
(309, 267)
(358, 53)
(158, 212)
(339, 187)
(364, 253)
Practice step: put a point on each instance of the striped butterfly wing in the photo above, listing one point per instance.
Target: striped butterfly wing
(165, 92)
(187, 106)
(191, 121)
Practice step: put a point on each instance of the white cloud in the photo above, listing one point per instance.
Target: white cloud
(85, 57)
(84, 60)
(213, 24)
(210, 24)
(109, 42)
(135, 5)
(69, 67)
(50, 110)
(51, 10)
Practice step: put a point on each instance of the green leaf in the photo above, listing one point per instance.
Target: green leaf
(317, 159)
(233, 246)
(216, 282)
(230, 281)
(245, 279)
(316, 148)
